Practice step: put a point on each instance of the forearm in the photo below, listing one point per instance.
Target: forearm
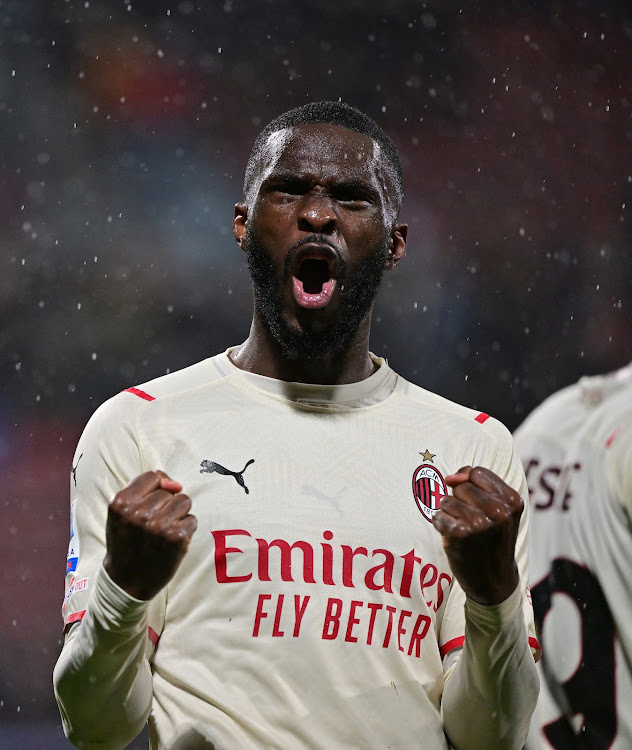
(491, 694)
(102, 679)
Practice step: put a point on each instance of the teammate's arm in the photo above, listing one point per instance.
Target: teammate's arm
(491, 693)
(102, 679)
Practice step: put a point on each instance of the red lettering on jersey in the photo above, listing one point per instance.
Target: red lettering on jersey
(276, 630)
(260, 614)
(400, 630)
(427, 577)
(448, 579)
(332, 619)
(299, 611)
(281, 560)
(374, 607)
(280, 615)
(353, 620)
(347, 563)
(407, 576)
(221, 551)
(328, 560)
(419, 633)
(286, 559)
(387, 636)
(387, 572)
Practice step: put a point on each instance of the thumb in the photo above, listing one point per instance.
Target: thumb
(166, 483)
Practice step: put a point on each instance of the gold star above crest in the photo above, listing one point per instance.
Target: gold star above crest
(427, 456)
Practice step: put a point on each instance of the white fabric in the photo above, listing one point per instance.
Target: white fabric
(577, 452)
(336, 644)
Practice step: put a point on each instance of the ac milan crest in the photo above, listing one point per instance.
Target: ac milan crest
(428, 488)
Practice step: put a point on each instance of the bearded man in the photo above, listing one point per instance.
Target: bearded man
(347, 568)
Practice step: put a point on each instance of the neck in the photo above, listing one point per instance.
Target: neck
(261, 354)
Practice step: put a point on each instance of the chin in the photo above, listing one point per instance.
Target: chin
(318, 341)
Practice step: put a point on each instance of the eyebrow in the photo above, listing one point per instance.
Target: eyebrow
(294, 179)
(284, 177)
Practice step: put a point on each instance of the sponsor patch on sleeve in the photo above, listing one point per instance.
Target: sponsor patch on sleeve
(72, 558)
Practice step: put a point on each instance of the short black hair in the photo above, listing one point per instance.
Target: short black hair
(331, 113)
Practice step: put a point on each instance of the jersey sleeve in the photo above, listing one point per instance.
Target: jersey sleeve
(108, 634)
(492, 686)
(108, 456)
(507, 465)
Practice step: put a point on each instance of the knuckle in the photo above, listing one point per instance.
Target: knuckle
(184, 501)
(154, 526)
(117, 501)
(477, 472)
(139, 516)
(176, 535)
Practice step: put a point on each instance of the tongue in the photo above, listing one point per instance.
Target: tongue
(313, 301)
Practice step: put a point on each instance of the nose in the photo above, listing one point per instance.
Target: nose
(317, 214)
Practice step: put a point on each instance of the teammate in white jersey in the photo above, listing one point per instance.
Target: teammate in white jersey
(318, 585)
(577, 452)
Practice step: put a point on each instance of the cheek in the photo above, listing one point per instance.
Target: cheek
(370, 232)
(270, 221)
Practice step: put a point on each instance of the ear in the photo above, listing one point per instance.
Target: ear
(397, 245)
(240, 219)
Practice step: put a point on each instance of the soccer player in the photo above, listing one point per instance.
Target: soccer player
(577, 452)
(337, 574)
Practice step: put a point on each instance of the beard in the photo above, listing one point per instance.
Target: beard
(319, 340)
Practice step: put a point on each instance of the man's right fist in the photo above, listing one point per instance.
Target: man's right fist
(148, 531)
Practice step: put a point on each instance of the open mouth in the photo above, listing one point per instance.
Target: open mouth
(314, 276)
(313, 272)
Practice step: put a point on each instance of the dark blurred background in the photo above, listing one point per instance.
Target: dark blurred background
(124, 131)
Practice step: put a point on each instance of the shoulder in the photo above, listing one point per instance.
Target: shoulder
(130, 403)
(558, 415)
(612, 420)
(446, 413)
(190, 378)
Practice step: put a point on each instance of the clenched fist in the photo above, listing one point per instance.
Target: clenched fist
(148, 532)
(479, 524)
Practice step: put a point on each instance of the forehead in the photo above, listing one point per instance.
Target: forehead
(322, 151)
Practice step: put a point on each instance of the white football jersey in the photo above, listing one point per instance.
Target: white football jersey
(577, 451)
(315, 604)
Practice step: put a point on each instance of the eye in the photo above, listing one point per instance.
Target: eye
(354, 196)
(288, 186)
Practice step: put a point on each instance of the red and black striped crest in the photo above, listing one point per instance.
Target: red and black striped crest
(428, 489)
